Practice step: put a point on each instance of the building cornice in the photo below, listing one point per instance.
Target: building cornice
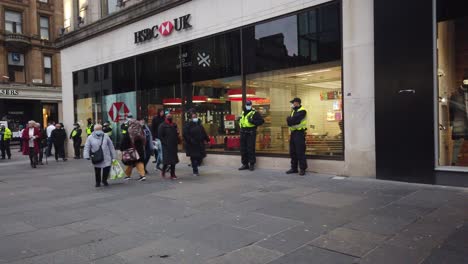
(124, 17)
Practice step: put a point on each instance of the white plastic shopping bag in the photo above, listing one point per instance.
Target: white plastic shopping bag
(116, 171)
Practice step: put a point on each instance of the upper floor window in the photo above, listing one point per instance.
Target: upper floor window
(44, 27)
(13, 22)
(47, 70)
(16, 72)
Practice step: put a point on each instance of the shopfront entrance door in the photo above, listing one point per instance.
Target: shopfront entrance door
(404, 90)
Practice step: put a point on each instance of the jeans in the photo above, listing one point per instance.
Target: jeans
(105, 174)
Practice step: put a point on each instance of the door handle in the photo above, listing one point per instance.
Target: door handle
(407, 91)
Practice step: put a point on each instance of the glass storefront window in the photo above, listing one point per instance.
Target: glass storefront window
(213, 87)
(293, 56)
(452, 72)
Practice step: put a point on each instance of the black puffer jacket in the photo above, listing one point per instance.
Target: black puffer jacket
(169, 136)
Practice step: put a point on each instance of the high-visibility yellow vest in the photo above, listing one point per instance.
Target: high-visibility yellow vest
(88, 129)
(302, 125)
(7, 135)
(74, 133)
(244, 121)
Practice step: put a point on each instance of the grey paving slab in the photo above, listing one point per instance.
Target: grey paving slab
(14, 249)
(248, 255)
(390, 254)
(177, 251)
(215, 236)
(291, 239)
(11, 228)
(273, 225)
(349, 242)
(384, 225)
(58, 257)
(329, 199)
(309, 254)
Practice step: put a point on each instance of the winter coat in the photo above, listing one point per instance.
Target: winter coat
(92, 144)
(138, 144)
(25, 138)
(169, 136)
(195, 138)
(58, 136)
(155, 123)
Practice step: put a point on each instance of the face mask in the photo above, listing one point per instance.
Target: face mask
(292, 106)
(99, 132)
(195, 120)
(248, 107)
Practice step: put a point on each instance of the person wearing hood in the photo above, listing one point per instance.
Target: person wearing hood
(249, 121)
(169, 136)
(99, 139)
(58, 137)
(76, 137)
(195, 137)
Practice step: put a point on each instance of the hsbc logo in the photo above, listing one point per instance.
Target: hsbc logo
(164, 29)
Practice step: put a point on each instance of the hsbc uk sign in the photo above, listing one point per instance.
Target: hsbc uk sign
(164, 29)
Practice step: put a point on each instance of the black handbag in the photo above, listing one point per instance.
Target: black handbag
(98, 156)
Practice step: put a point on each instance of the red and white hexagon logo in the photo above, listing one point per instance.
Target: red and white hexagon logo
(118, 111)
(166, 28)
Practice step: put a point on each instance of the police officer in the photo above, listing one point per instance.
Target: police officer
(124, 126)
(248, 123)
(297, 123)
(89, 127)
(107, 129)
(76, 137)
(5, 138)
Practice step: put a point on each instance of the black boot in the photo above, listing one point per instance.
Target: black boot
(302, 173)
(252, 167)
(244, 167)
(291, 171)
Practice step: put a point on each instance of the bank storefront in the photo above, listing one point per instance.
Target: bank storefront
(179, 60)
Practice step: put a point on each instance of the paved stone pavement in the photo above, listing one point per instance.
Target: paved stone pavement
(55, 215)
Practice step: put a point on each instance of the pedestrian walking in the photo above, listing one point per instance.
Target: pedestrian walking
(5, 139)
(49, 130)
(169, 136)
(89, 127)
(126, 124)
(249, 121)
(149, 148)
(42, 143)
(133, 150)
(195, 138)
(58, 137)
(297, 123)
(31, 137)
(76, 137)
(21, 129)
(98, 141)
(155, 123)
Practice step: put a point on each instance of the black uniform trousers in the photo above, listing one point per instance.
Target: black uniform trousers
(247, 146)
(297, 148)
(77, 146)
(59, 151)
(5, 148)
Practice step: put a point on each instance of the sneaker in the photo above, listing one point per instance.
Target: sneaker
(142, 178)
(174, 177)
(196, 174)
(291, 171)
(127, 178)
(244, 167)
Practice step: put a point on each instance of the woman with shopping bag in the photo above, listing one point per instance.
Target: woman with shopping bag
(100, 150)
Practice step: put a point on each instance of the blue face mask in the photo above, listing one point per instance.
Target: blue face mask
(195, 120)
(248, 107)
(99, 132)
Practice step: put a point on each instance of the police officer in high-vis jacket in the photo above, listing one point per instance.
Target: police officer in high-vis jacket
(248, 123)
(124, 126)
(297, 123)
(5, 138)
(76, 137)
(89, 127)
